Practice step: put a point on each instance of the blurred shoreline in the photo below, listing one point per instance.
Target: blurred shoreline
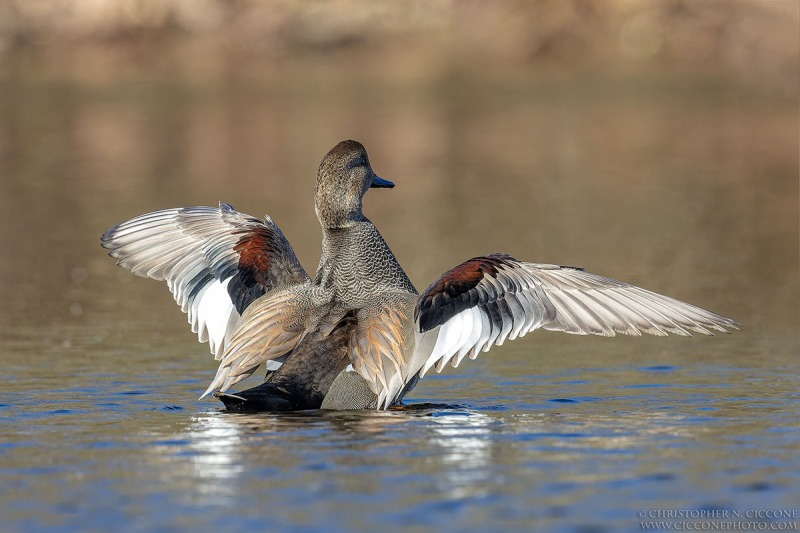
(755, 42)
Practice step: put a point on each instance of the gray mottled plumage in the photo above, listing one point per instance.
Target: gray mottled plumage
(359, 335)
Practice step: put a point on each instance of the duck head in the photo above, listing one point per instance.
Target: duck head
(343, 177)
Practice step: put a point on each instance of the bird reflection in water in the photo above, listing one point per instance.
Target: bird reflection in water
(218, 451)
(439, 454)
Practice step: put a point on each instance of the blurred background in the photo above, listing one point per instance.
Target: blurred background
(652, 141)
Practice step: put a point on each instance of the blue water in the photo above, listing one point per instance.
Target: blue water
(573, 451)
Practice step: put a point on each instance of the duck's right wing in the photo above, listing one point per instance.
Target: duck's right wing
(216, 262)
(486, 300)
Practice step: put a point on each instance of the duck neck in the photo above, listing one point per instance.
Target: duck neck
(340, 246)
(356, 262)
(335, 214)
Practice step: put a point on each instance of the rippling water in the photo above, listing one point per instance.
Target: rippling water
(684, 186)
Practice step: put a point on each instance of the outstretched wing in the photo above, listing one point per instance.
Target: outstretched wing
(488, 299)
(216, 262)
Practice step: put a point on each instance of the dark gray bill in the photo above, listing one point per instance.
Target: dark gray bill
(378, 182)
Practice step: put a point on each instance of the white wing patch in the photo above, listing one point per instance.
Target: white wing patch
(211, 314)
(471, 331)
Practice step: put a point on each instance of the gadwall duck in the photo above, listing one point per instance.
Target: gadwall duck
(358, 335)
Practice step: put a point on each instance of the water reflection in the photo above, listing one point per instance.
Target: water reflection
(215, 463)
(216, 453)
(459, 455)
(465, 444)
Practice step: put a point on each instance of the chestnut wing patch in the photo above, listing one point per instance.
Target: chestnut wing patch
(456, 290)
(266, 261)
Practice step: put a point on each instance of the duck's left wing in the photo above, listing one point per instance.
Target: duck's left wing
(488, 299)
(215, 260)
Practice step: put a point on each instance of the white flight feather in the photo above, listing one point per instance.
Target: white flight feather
(449, 334)
(213, 313)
